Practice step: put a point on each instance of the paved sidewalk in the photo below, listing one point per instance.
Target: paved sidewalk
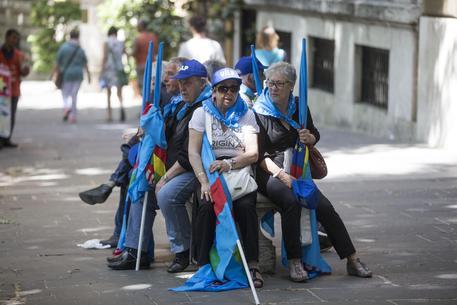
(398, 201)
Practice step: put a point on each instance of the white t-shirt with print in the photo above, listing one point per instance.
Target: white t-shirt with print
(230, 143)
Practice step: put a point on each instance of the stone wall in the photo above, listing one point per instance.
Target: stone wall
(398, 11)
(437, 82)
(340, 108)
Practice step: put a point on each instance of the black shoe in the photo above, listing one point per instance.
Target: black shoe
(112, 241)
(96, 195)
(8, 144)
(114, 258)
(180, 262)
(127, 260)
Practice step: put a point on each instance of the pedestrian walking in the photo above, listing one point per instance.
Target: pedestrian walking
(70, 65)
(14, 60)
(140, 50)
(113, 73)
(267, 47)
(200, 47)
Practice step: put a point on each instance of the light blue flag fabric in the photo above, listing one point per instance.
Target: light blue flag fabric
(233, 114)
(255, 70)
(152, 123)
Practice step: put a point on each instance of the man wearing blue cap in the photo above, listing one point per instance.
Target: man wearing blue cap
(179, 182)
(244, 68)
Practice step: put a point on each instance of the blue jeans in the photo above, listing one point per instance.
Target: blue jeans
(134, 222)
(171, 200)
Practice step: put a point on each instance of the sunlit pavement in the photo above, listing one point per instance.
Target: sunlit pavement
(398, 201)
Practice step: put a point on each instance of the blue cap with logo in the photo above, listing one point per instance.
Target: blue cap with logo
(225, 74)
(244, 65)
(191, 68)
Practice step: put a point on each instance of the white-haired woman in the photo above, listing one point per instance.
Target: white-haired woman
(277, 117)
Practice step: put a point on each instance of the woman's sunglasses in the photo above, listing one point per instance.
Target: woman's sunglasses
(225, 89)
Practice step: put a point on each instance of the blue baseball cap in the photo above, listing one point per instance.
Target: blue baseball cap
(225, 74)
(191, 68)
(244, 65)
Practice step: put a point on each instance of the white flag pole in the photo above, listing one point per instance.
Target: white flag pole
(248, 274)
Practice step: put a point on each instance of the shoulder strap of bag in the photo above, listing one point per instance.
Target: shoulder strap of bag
(70, 60)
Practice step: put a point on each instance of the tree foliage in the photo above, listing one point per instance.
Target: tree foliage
(50, 18)
(160, 16)
(216, 12)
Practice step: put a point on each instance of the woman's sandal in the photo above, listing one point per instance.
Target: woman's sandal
(256, 277)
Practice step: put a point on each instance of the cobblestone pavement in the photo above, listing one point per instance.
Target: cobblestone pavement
(398, 201)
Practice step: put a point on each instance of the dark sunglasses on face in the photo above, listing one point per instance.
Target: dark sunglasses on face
(225, 89)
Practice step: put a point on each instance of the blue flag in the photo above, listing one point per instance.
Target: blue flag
(225, 272)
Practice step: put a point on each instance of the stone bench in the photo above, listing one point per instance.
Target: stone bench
(267, 252)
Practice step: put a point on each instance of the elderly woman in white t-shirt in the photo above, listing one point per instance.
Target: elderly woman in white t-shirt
(234, 143)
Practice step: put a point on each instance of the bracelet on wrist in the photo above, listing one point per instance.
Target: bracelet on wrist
(278, 173)
(229, 163)
(200, 173)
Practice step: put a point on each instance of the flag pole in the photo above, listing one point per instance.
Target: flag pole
(255, 70)
(147, 77)
(157, 85)
(145, 97)
(248, 274)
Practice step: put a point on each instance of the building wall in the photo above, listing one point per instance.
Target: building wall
(92, 38)
(341, 107)
(437, 82)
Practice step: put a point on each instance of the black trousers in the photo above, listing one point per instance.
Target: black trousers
(244, 212)
(120, 176)
(290, 210)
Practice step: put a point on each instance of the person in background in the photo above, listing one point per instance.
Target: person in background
(71, 61)
(212, 66)
(248, 91)
(200, 47)
(120, 177)
(16, 62)
(267, 50)
(140, 50)
(113, 74)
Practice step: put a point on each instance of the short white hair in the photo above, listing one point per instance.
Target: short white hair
(282, 68)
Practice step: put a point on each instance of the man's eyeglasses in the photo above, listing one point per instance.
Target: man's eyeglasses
(225, 89)
(277, 84)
